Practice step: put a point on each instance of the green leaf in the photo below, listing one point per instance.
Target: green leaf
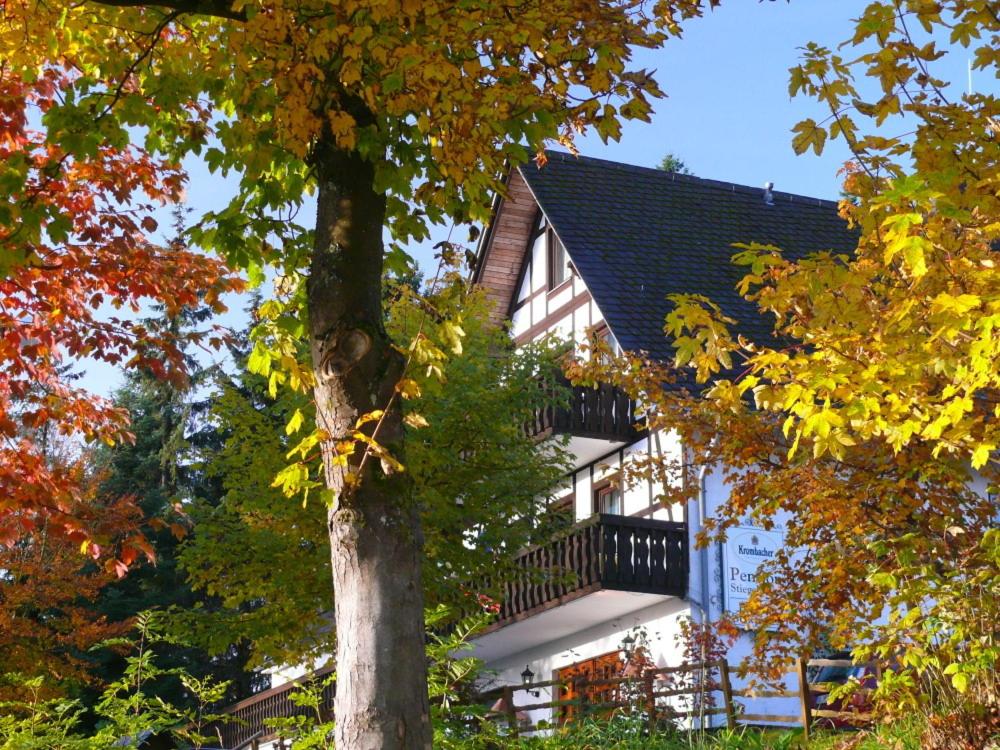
(255, 274)
(259, 361)
(883, 580)
(961, 681)
(392, 82)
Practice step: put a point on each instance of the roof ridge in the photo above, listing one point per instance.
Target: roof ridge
(723, 185)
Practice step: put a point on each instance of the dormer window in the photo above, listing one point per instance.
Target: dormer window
(558, 262)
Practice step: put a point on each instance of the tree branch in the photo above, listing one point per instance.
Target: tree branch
(217, 8)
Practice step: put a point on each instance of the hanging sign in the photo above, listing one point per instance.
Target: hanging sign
(745, 549)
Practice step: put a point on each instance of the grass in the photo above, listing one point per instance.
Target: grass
(626, 735)
(901, 735)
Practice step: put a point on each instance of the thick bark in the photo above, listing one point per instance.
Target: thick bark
(375, 536)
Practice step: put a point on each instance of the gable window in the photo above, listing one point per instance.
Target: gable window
(601, 333)
(608, 499)
(558, 262)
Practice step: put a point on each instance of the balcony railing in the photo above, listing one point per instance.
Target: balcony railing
(618, 553)
(604, 412)
(250, 718)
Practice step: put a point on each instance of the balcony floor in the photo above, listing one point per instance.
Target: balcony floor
(578, 614)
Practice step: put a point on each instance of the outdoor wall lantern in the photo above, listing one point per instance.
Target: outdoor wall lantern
(527, 676)
(628, 646)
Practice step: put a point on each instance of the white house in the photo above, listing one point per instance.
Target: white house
(584, 245)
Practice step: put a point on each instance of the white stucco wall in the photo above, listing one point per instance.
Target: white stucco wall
(660, 621)
(285, 673)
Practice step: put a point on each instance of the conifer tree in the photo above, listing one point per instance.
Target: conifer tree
(156, 472)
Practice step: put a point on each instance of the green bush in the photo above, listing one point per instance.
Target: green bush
(126, 714)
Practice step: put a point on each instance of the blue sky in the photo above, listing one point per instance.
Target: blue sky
(727, 114)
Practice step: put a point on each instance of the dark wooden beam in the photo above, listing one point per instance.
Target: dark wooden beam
(216, 8)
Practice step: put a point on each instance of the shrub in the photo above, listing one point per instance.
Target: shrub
(126, 714)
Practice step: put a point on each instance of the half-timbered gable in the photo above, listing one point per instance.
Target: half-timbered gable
(632, 236)
(527, 272)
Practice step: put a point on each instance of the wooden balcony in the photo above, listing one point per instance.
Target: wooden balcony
(249, 725)
(603, 413)
(613, 553)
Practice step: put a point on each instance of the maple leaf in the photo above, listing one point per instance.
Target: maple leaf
(71, 250)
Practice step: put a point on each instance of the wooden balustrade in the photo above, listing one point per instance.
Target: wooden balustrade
(604, 412)
(605, 552)
(250, 717)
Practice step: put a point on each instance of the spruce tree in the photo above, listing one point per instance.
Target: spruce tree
(158, 471)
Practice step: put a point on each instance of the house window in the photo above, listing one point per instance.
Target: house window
(558, 262)
(608, 499)
(603, 334)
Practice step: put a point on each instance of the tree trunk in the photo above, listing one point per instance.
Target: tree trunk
(375, 536)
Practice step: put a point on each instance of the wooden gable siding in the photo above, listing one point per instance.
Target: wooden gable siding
(508, 242)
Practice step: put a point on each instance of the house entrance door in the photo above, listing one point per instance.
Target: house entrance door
(590, 700)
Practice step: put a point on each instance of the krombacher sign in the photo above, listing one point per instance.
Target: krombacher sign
(745, 549)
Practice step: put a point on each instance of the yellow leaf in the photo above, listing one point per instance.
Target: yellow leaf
(416, 421)
(808, 133)
(372, 416)
(982, 454)
(408, 388)
(295, 423)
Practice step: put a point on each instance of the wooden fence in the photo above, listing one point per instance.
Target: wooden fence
(658, 695)
(649, 694)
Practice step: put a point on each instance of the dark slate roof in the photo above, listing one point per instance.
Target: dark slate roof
(638, 234)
